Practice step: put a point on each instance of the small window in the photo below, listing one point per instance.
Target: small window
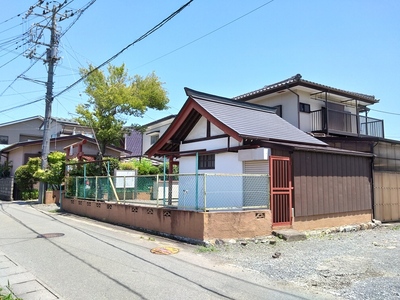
(3, 139)
(304, 107)
(154, 138)
(207, 161)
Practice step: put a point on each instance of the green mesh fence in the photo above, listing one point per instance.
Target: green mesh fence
(184, 191)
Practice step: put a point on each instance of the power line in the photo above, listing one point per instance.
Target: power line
(80, 12)
(155, 28)
(207, 34)
(385, 112)
(22, 105)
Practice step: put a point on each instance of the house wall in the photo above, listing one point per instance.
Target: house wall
(161, 127)
(225, 163)
(22, 131)
(288, 100)
(195, 227)
(386, 174)
(327, 183)
(58, 129)
(17, 156)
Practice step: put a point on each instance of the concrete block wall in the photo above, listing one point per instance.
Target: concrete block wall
(191, 226)
(6, 188)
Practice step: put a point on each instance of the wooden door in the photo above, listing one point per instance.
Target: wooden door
(281, 190)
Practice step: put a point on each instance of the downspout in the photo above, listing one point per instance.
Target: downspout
(372, 178)
(298, 106)
(327, 114)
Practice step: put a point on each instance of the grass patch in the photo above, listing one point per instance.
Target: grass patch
(397, 227)
(205, 249)
(7, 296)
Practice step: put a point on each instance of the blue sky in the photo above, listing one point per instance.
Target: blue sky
(224, 47)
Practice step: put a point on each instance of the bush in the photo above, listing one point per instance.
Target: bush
(5, 169)
(27, 195)
(127, 165)
(55, 172)
(24, 175)
(94, 168)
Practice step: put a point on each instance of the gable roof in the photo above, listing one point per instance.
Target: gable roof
(64, 138)
(297, 80)
(239, 120)
(22, 120)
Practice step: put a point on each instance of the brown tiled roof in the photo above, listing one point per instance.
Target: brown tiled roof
(297, 80)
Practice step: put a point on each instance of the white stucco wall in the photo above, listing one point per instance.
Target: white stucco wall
(220, 191)
(287, 99)
(161, 127)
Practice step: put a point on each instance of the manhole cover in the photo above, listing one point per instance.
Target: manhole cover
(164, 250)
(50, 235)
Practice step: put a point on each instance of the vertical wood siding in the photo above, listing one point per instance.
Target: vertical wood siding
(387, 196)
(327, 183)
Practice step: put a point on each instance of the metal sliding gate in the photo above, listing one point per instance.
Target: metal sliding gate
(281, 190)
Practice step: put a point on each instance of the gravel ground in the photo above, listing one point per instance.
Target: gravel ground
(352, 265)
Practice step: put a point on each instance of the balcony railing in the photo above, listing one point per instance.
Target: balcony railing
(345, 123)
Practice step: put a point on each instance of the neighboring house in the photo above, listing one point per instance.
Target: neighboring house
(138, 143)
(19, 153)
(21, 130)
(154, 130)
(340, 118)
(64, 127)
(29, 129)
(319, 109)
(309, 178)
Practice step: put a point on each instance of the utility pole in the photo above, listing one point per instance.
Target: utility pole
(50, 59)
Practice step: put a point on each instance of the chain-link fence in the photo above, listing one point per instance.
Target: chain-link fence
(185, 191)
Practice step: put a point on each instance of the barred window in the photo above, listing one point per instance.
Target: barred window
(207, 161)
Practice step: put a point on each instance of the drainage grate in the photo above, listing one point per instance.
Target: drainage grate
(49, 235)
(164, 250)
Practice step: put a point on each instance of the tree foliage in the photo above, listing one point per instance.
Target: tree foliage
(94, 168)
(55, 172)
(144, 166)
(25, 176)
(5, 169)
(115, 96)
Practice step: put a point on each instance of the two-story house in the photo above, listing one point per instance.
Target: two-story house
(340, 118)
(319, 109)
(31, 128)
(311, 184)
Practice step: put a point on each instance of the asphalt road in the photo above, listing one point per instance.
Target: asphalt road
(93, 260)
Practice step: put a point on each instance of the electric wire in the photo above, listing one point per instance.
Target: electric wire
(205, 35)
(386, 112)
(39, 58)
(155, 28)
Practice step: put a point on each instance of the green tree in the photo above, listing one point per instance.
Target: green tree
(25, 178)
(55, 172)
(113, 97)
(94, 168)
